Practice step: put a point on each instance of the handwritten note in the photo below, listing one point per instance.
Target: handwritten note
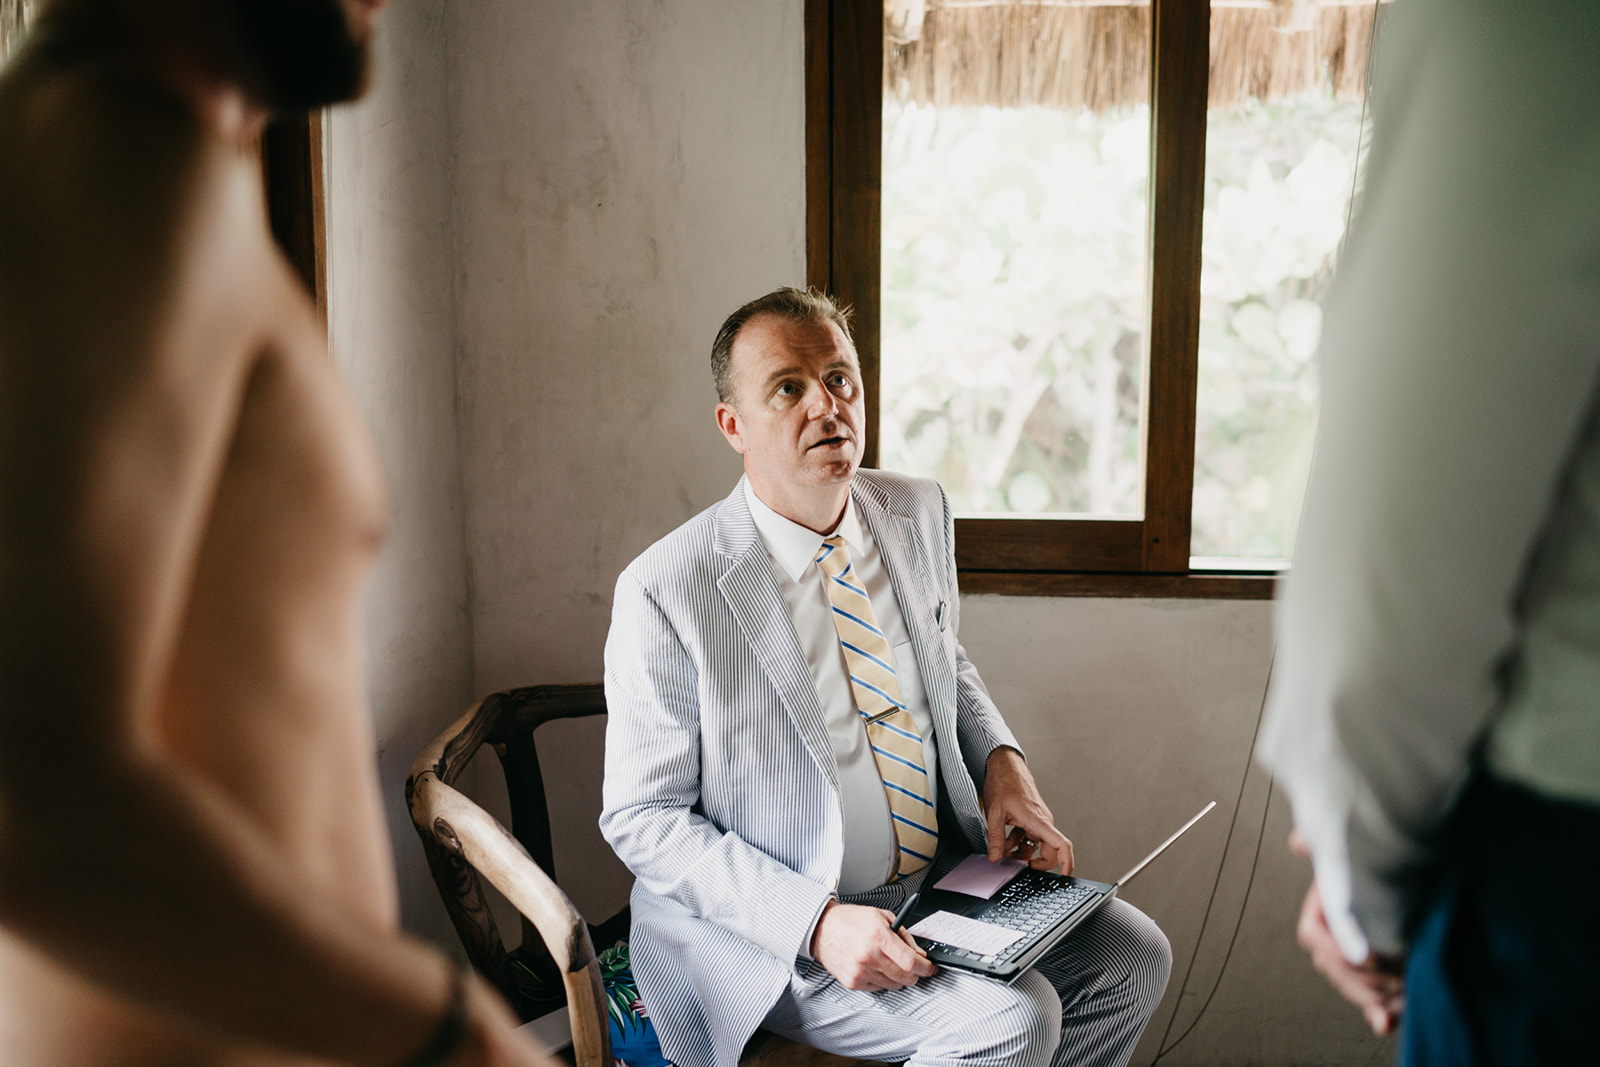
(958, 931)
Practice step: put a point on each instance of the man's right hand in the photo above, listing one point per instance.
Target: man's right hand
(858, 948)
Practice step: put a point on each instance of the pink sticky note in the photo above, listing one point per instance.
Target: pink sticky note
(975, 876)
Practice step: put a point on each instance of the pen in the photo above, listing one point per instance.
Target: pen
(905, 909)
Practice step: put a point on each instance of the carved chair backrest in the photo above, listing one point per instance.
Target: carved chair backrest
(506, 722)
(534, 981)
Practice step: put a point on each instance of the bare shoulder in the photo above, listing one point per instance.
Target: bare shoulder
(138, 289)
(129, 237)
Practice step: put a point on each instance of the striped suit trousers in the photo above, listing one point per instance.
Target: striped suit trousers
(1085, 1003)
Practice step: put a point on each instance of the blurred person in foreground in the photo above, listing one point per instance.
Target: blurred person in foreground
(1435, 710)
(194, 866)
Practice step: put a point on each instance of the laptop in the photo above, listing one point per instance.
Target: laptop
(1001, 935)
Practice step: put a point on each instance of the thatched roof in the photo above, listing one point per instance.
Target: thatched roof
(1095, 54)
(1074, 54)
(14, 17)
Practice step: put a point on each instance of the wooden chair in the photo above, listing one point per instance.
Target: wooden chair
(555, 962)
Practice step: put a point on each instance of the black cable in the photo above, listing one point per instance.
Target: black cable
(1249, 883)
(1210, 901)
(1349, 212)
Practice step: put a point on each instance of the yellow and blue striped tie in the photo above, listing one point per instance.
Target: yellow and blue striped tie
(896, 744)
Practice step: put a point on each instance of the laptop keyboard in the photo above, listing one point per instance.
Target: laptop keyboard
(1029, 906)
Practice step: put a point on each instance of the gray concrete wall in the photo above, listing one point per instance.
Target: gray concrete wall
(391, 254)
(626, 174)
(619, 176)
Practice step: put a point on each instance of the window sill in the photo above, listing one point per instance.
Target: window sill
(1197, 585)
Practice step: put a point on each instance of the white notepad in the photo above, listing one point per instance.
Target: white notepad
(973, 935)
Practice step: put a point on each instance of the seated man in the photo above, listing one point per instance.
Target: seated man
(769, 825)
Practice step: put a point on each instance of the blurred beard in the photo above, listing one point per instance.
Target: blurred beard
(303, 52)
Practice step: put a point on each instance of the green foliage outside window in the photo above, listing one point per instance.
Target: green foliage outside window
(1014, 301)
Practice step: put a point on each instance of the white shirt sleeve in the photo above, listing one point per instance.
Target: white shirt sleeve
(1459, 369)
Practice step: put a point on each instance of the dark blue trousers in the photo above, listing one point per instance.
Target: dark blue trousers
(1504, 966)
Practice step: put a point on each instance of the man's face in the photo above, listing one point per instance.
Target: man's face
(305, 53)
(798, 415)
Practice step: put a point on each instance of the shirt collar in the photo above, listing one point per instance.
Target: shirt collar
(792, 546)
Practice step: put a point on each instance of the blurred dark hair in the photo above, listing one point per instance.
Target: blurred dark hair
(304, 52)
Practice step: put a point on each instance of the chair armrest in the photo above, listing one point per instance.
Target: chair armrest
(463, 828)
(455, 746)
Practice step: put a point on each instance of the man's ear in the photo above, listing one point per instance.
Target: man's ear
(728, 423)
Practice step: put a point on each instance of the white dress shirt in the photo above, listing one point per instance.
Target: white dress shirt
(1445, 596)
(870, 852)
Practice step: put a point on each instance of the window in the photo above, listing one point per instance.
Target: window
(1011, 195)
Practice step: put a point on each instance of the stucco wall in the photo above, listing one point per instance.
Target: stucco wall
(626, 174)
(391, 316)
(537, 223)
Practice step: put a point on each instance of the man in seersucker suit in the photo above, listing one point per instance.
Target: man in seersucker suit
(771, 825)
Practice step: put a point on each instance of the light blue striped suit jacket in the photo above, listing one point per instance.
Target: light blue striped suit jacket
(721, 789)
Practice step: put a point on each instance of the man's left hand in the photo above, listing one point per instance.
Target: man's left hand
(1376, 985)
(1011, 798)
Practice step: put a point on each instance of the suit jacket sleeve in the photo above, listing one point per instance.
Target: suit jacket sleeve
(652, 792)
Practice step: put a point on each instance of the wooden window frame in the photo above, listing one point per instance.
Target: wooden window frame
(291, 173)
(844, 168)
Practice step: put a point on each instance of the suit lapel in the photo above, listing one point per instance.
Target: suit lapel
(750, 588)
(906, 560)
(906, 557)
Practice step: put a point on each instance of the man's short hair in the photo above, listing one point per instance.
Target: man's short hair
(796, 305)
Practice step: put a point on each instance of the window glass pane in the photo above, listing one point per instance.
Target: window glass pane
(1015, 203)
(1283, 140)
